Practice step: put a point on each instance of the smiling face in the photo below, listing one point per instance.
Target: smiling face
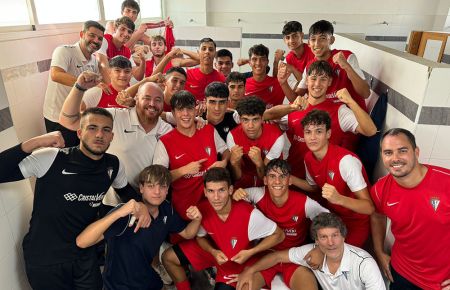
(185, 118)
(149, 102)
(331, 243)
(318, 85)
(91, 40)
(399, 156)
(258, 63)
(174, 82)
(224, 65)
(122, 34)
(293, 40)
(277, 183)
(120, 77)
(321, 45)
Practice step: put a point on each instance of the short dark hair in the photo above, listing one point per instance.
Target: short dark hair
(91, 23)
(398, 131)
(95, 111)
(130, 4)
(292, 27)
(224, 53)
(217, 174)
(176, 69)
(155, 174)
(327, 220)
(235, 76)
(207, 39)
(317, 117)
(159, 38)
(119, 61)
(251, 105)
(182, 99)
(320, 67)
(217, 89)
(125, 21)
(259, 50)
(321, 27)
(278, 163)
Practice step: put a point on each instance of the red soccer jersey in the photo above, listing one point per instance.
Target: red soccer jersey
(228, 237)
(269, 90)
(150, 64)
(113, 51)
(109, 101)
(328, 170)
(340, 78)
(197, 81)
(300, 63)
(269, 136)
(291, 218)
(181, 149)
(420, 219)
(295, 134)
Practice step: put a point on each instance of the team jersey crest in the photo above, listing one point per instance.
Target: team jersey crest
(331, 174)
(110, 171)
(226, 129)
(434, 201)
(295, 218)
(233, 242)
(208, 150)
(165, 219)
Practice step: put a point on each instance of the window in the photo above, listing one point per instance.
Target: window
(150, 9)
(64, 11)
(14, 13)
(112, 9)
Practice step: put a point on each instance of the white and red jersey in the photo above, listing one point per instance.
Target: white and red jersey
(197, 81)
(271, 143)
(150, 66)
(340, 78)
(109, 100)
(243, 225)
(291, 217)
(301, 62)
(420, 223)
(111, 50)
(269, 90)
(175, 150)
(343, 123)
(342, 169)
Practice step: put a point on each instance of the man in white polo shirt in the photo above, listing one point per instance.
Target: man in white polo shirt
(344, 266)
(68, 62)
(136, 130)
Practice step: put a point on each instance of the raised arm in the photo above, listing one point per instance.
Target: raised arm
(69, 116)
(359, 84)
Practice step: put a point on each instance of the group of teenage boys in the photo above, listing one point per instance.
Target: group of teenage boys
(220, 165)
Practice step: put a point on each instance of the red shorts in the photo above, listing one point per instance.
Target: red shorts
(200, 259)
(286, 270)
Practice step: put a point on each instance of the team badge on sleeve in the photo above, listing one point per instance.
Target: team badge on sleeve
(233, 242)
(435, 202)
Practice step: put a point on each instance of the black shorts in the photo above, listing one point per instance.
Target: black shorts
(400, 282)
(81, 274)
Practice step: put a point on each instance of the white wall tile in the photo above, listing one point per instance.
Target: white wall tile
(19, 219)
(13, 194)
(425, 138)
(441, 148)
(6, 238)
(438, 89)
(440, 162)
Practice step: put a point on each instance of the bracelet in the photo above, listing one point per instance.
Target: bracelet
(80, 88)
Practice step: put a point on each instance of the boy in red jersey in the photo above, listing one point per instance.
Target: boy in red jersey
(290, 210)
(260, 84)
(253, 143)
(347, 73)
(199, 78)
(340, 175)
(232, 226)
(300, 54)
(347, 117)
(188, 153)
(415, 197)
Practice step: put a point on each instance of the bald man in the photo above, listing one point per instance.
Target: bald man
(136, 130)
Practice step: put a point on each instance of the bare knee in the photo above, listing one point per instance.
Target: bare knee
(304, 279)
